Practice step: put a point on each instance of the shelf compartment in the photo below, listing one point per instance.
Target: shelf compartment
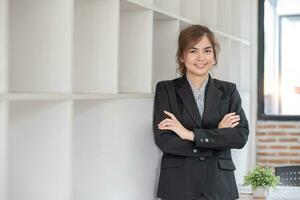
(236, 16)
(224, 16)
(165, 34)
(222, 70)
(171, 6)
(135, 62)
(209, 13)
(3, 46)
(235, 66)
(246, 20)
(39, 150)
(246, 71)
(96, 46)
(131, 5)
(190, 9)
(104, 138)
(40, 45)
(3, 155)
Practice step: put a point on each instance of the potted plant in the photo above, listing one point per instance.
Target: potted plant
(261, 180)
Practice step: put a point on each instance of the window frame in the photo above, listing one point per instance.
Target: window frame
(260, 86)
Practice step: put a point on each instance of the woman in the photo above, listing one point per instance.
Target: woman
(197, 121)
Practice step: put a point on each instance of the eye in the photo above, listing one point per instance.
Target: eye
(208, 51)
(193, 51)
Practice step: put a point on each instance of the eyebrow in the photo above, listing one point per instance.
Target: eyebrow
(208, 47)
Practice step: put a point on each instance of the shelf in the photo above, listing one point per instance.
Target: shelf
(75, 96)
(190, 9)
(135, 73)
(223, 16)
(100, 139)
(40, 46)
(246, 20)
(163, 14)
(165, 33)
(131, 5)
(169, 6)
(3, 146)
(222, 70)
(3, 46)
(235, 62)
(228, 36)
(77, 82)
(246, 65)
(39, 148)
(95, 63)
(208, 13)
(236, 18)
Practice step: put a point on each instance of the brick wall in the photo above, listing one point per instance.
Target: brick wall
(277, 143)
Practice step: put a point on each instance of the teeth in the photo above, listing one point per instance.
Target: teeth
(199, 65)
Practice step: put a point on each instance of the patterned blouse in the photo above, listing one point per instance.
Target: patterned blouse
(199, 94)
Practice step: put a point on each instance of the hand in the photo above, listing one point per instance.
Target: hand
(174, 125)
(230, 120)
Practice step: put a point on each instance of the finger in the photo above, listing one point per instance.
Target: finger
(234, 124)
(236, 117)
(163, 121)
(230, 118)
(165, 128)
(235, 121)
(230, 114)
(170, 114)
(167, 123)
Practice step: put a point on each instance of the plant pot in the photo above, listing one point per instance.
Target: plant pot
(259, 192)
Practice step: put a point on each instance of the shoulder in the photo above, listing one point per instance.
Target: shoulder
(225, 86)
(165, 84)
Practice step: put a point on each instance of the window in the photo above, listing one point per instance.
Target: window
(279, 59)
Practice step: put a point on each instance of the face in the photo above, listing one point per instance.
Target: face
(199, 59)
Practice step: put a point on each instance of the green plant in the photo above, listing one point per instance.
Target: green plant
(261, 177)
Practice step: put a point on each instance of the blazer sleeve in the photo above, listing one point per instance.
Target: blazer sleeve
(226, 138)
(166, 140)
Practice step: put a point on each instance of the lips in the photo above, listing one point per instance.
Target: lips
(200, 66)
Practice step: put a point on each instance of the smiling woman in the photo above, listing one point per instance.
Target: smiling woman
(197, 121)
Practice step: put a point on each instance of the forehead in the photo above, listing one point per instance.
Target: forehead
(201, 43)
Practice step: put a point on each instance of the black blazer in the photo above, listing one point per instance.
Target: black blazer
(204, 166)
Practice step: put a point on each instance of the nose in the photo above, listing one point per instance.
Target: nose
(200, 55)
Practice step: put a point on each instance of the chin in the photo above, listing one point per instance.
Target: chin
(199, 73)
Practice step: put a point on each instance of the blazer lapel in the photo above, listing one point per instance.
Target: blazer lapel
(211, 101)
(186, 95)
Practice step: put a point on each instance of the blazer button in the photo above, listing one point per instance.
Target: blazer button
(195, 150)
(206, 140)
(201, 140)
(201, 158)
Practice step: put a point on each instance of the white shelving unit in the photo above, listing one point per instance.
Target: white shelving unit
(165, 33)
(40, 45)
(39, 150)
(96, 46)
(3, 46)
(3, 152)
(135, 69)
(101, 146)
(209, 13)
(190, 9)
(76, 90)
(224, 16)
(171, 6)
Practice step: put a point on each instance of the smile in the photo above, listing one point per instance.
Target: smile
(200, 66)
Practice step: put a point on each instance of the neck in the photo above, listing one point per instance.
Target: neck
(197, 81)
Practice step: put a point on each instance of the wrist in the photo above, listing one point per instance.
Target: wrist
(189, 135)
